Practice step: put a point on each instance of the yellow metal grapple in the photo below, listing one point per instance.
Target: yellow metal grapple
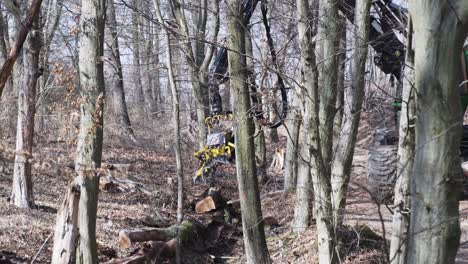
(219, 148)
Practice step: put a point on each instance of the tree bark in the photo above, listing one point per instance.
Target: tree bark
(436, 180)
(118, 91)
(197, 59)
(328, 36)
(176, 117)
(254, 234)
(292, 147)
(401, 215)
(309, 99)
(353, 97)
(66, 227)
(146, 36)
(89, 146)
(7, 67)
(22, 193)
(136, 39)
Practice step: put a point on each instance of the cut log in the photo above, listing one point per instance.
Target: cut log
(185, 231)
(212, 201)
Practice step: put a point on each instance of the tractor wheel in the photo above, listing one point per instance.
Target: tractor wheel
(381, 171)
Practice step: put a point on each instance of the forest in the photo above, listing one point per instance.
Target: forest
(233, 131)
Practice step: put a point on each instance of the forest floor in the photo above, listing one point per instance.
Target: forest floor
(22, 232)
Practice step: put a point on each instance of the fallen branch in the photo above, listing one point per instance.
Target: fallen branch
(262, 197)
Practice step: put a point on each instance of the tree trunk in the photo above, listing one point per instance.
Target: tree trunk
(176, 118)
(26, 25)
(66, 227)
(436, 180)
(118, 91)
(260, 147)
(146, 35)
(136, 38)
(22, 193)
(195, 56)
(309, 89)
(353, 97)
(401, 215)
(89, 147)
(292, 147)
(254, 234)
(328, 36)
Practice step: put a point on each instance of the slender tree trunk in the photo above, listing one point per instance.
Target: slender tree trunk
(401, 215)
(145, 35)
(253, 229)
(118, 91)
(22, 193)
(89, 147)
(136, 38)
(197, 59)
(353, 97)
(306, 28)
(328, 36)
(292, 147)
(176, 115)
(436, 179)
(260, 147)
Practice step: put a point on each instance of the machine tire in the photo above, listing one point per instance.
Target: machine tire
(381, 171)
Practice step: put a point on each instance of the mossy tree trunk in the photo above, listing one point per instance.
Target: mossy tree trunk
(253, 227)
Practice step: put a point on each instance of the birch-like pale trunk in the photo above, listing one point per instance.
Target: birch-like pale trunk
(352, 107)
(256, 250)
(22, 192)
(434, 234)
(401, 215)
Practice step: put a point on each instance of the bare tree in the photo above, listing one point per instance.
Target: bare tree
(118, 91)
(252, 223)
(401, 215)
(197, 59)
(175, 113)
(352, 108)
(309, 88)
(7, 67)
(89, 147)
(435, 183)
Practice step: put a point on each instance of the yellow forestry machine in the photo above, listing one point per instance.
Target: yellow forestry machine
(220, 148)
